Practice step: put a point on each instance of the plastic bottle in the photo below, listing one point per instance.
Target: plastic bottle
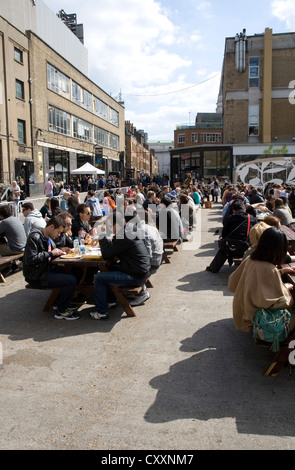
(76, 246)
(82, 247)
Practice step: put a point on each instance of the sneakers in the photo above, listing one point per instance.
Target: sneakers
(99, 316)
(112, 304)
(140, 298)
(72, 308)
(67, 315)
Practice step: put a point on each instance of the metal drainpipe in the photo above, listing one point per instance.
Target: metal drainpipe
(6, 109)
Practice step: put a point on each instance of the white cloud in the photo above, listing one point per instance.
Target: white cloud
(145, 48)
(284, 11)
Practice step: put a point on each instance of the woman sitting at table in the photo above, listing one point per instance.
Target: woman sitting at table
(282, 212)
(257, 282)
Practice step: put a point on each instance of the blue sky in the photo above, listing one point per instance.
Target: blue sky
(165, 56)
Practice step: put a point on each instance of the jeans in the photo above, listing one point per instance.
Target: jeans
(67, 283)
(218, 261)
(111, 278)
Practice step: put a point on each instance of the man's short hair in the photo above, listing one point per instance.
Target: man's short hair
(57, 221)
(81, 208)
(5, 211)
(150, 194)
(91, 193)
(28, 205)
(238, 206)
(65, 215)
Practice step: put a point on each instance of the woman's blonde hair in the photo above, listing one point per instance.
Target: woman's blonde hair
(257, 231)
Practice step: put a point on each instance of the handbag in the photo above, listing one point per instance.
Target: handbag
(271, 326)
(235, 248)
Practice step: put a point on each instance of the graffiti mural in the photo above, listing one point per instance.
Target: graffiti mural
(259, 173)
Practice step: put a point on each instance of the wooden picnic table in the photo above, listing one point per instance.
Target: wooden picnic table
(290, 237)
(97, 262)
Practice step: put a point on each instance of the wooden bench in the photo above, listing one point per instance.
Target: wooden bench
(237, 261)
(122, 293)
(281, 358)
(55, 293)
(169, 246)
(52, 298)
(6, 261)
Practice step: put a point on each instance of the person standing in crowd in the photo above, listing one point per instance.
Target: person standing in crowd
(93, 203)
(101, 182)
(33, 218)
(15, 189)
(12, 234)
(48, 188)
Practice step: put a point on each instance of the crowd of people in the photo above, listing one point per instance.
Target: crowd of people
(252, 233)
(152, 214)
(132, 229)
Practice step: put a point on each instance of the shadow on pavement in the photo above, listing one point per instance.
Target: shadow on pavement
(224, 379)
(22, 317)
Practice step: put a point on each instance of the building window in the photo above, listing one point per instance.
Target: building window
(211, 138)
(254, 120)
(58, 82)
(18, 55)
(100, 108)
(181, 138)
(113, 117)
(82, 129)
(19, 90)
(21, 131)
(101, 137)
(87, 100)
(59, 121)
(254, 72)
(194, 137)
(114, 141)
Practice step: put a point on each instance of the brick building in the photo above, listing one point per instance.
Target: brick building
(138, 159)
(53, 117)
(257, 105)
(258, 115)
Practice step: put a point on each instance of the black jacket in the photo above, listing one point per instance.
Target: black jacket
(236, 225)
(64, 240)
(78, 225)
(36, 260)
(133, 255)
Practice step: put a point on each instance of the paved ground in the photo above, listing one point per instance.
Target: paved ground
(178, 376)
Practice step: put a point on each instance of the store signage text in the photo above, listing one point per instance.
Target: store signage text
(272, 151)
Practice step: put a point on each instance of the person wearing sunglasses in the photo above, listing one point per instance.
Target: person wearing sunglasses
(80, 223)
(65, 240)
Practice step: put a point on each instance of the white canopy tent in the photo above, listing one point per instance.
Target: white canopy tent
(87, 169)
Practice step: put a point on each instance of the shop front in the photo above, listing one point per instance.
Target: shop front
(201, 162)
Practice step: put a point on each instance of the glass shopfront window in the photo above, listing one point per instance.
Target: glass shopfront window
(59, 165)
(217, 163)
(201, 163)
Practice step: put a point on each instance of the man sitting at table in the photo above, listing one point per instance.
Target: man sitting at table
(12, 234)
(133, 269)
(80, 224)
(39, 272)
(65, 240)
